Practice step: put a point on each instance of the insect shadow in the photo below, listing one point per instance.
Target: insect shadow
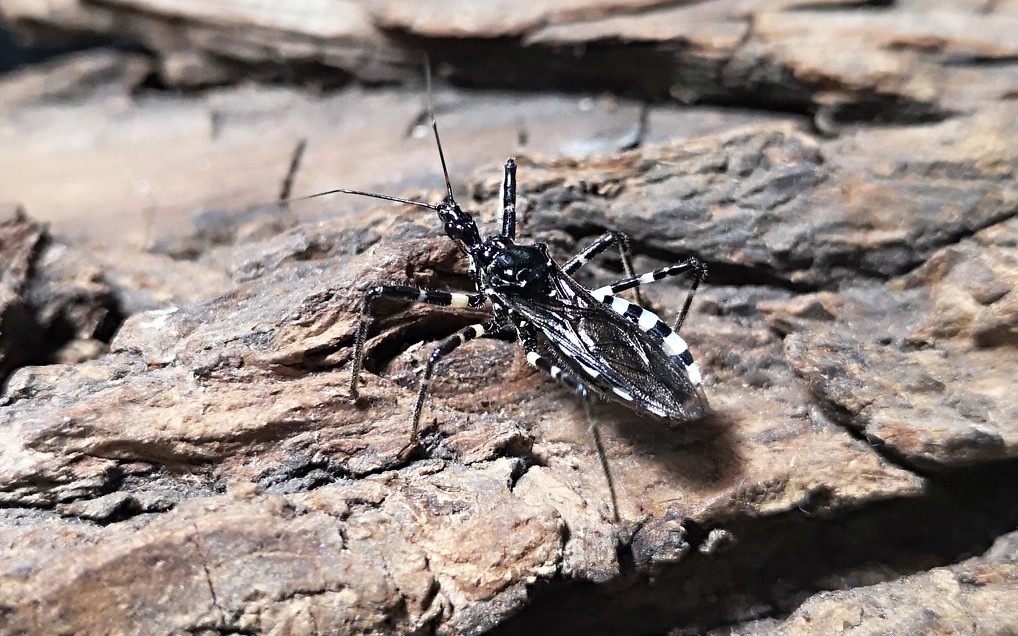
(701, 455)
(591, 340)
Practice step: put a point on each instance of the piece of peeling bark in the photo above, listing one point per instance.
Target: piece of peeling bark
(54, 301)
(976, 596)
(845, 61)
(354, 556)
(773, 204)
(922, 364)
(184, 176)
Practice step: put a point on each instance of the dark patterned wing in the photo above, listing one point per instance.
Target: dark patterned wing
(612, 354)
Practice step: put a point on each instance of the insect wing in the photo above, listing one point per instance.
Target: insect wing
(613, 355)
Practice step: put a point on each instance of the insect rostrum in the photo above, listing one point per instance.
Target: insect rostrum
(591, 340)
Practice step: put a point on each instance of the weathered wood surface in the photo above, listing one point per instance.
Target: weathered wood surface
(202, 469)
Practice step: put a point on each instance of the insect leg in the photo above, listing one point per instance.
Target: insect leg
(556, 372)
(509, 200)
(448, 346)
(603, 242)
(444, 299)
(699, 273)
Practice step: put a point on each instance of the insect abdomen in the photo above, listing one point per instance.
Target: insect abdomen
(673, 344)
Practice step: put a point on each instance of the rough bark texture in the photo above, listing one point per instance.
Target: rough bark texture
(178, 449)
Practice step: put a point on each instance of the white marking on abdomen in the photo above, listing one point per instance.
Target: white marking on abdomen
(459, 300)
(647, 320)
(673, 344)
(693, 372)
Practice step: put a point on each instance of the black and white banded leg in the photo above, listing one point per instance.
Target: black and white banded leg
(443, 299)
(448, 346)
(565, 377)
(602, 243)
(632, 282)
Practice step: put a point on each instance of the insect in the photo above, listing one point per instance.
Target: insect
(591, 340)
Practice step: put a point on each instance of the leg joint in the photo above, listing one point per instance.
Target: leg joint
(616, 236)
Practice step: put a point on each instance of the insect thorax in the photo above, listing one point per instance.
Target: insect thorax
(520, 269)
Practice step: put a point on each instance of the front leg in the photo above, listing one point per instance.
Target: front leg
(509, 200)
(440, 298)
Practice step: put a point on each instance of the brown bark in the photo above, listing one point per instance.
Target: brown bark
(189, 459)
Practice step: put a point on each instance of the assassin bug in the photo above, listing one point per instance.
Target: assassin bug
(591, 340)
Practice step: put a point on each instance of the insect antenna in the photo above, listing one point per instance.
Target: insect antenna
(434, 128)
(373, 195)
(285, 200)
(441, 156)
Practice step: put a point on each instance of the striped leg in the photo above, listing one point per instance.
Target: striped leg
(448, 346)
(605, 241)
(699, 273)
(509, 200)
(444, 299)
(574, 383)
